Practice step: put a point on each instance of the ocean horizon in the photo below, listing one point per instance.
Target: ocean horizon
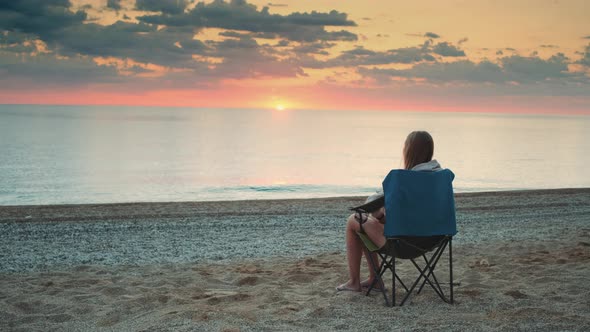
(110, 154)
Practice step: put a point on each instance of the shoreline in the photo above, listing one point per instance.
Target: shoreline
(8, 213)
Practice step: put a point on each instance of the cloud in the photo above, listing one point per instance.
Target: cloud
(586, 37)
(464, 70)
(234, 34)
(314, 48)
(302, 34)
(514, 68)
(38, 16)
(172, 47)
(431, 35)
(27, 70)
(462, 40)
(312, 33)
(50, 38)
(239, 15)
(447, 49)
(361, 56)
(140, 42)
(12, 38)
(164, 6)
(245, 58)
(270, 4)
(585, 57)
(534, 69)
(114, 4)
(548, 46)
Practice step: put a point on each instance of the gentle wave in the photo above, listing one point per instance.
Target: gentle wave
(292, 188)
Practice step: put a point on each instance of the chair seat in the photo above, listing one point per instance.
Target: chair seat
(404, 247)
(372, 247)
(408, 247)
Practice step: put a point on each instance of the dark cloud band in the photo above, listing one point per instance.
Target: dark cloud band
(45, 38)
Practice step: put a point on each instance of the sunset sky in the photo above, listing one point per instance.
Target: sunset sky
(457, 55)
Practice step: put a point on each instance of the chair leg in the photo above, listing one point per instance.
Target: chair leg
(451, 269)
(409, 292)
(393, 282)
(434, 258)
(431, 274)
(431, 268)
(401, 282)
(437, 289)
(428, 267)
(378, 277)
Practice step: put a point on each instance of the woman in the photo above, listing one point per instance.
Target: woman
(418, 150)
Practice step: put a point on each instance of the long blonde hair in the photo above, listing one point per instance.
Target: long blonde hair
(418, 149)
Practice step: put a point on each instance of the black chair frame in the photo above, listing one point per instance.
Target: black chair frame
(406, 248)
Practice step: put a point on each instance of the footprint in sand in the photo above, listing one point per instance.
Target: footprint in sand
(319, 312)
(516, 294)
(28, 308)
(291, 308)
(248, 281)
(472, 293)
(163, 299)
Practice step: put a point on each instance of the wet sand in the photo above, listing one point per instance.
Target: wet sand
(522, 260)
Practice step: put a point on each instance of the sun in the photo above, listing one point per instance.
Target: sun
(280, 107)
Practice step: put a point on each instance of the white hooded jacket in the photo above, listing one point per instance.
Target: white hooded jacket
(429, 166)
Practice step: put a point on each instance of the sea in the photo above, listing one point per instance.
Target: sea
(107, 154)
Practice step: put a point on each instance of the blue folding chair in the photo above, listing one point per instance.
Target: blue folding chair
(420, 218)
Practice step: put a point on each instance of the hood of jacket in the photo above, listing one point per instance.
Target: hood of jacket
(432, 165)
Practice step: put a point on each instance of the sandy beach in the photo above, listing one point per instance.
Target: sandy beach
(521, 258)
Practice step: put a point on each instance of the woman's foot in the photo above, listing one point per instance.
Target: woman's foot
(348, 287)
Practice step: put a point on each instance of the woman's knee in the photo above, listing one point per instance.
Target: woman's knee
(352, 223)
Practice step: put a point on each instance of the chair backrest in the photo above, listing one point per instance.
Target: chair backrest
(419, 203)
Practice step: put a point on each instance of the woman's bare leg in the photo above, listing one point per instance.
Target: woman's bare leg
(369, 280)
(355, 248)
(374, 231)
(354, 252)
